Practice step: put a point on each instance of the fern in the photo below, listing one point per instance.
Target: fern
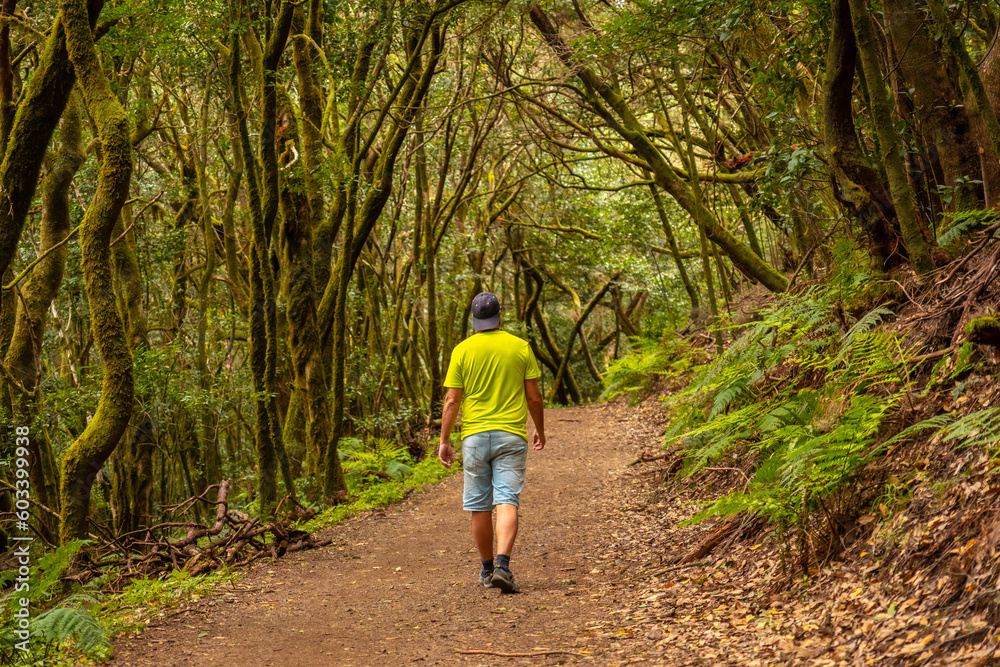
(869, 321)
(808, 403)
(977, 429)
(964, 223)
(934, 423)
(649, 358)
(377, 455)
(807, 399)
(736, 385)
(66, 615)
(69, 622)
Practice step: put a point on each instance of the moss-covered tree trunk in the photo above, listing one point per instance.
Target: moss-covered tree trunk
(989, 72)
(968, 73)
(132, 464)
(37, 294)
(857, 185)
(690, 108)
(576, 331)
(39, 109)
(83, 460)
(6, 76)
(263, 198)
(675, 251)
(881, 111)
(566, 389)
(425, 217)
(328, 278)
(311, 390)
(358, 226)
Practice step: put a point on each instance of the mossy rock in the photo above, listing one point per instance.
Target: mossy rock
(875, 293)
(984, 331)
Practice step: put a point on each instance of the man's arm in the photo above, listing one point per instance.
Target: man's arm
(536, 408)
(449, 413)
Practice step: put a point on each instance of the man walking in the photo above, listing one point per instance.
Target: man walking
(494, 376)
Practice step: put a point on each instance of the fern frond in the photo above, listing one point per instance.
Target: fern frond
(964, 223)
(62, 623)
(936, 423)
(869, 321)
(977, 429)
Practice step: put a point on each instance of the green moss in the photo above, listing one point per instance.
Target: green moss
(38, 111)
(984, 331)
(88, 453)
(876, 293)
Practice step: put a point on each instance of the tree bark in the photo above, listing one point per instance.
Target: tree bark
(856, 184)
(944, 125)
(38, 112)
(37, 295)
(358, 228)
(310, 393)
(968, 74)
(899, 186)
(83, 460)
(262, 195)
(989, 72)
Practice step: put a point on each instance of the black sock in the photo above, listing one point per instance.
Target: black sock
(487, 566)
(503, 560)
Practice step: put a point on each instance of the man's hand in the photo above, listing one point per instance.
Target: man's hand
(536, 408)
(537, 441)
(446, 456)
(449, 413)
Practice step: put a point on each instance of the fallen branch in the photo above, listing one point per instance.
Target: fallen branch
(184, 506)
(646, 459)
(530, 654)
(705, 547)
(234, 539)
(930, 356)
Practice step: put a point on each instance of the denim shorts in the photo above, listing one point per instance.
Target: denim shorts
(494, 469)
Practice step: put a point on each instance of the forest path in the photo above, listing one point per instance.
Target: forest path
(399, 587)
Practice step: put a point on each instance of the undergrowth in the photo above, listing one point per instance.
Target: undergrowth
(400, 474)
(803, 401)
(57, 625)
(649, 359)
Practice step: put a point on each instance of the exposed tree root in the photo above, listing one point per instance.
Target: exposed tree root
(234, 539)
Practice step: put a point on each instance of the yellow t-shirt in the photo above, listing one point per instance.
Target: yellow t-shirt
(490, 368)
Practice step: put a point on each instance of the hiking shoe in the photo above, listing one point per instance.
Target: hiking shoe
(504, 580)
(486, 578)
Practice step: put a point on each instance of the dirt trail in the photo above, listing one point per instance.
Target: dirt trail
(399, 587)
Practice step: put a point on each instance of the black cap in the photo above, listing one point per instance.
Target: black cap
(485, 311)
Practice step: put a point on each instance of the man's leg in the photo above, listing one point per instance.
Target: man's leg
(482, 533)
(506, 529)
(478, 498)
(508, 481)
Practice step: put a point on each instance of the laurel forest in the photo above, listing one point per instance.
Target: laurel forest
(239, 241)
